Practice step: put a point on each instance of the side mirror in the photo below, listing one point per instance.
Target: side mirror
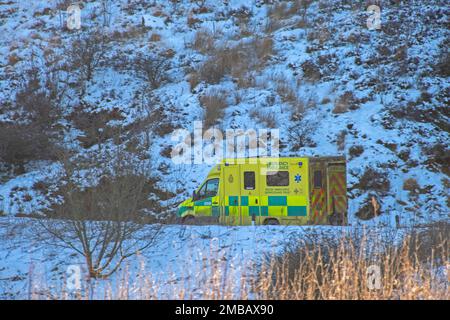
(194, 195)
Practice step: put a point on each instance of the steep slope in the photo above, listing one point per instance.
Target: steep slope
(138, 70)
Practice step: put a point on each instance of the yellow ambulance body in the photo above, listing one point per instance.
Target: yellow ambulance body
(287, 191)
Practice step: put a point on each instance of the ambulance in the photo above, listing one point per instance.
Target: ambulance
(271, 191)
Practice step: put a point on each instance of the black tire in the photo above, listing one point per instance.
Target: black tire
(337, 219)
(188, 220)
(272, 222)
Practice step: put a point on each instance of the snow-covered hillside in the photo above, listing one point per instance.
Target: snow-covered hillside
(138, 70)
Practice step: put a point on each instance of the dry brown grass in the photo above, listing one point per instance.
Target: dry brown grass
(237, 61)
(203, 41)
(411, 185)
(311, 72)
(345, 102)
(339, 270)
(214, 103)
(13, 59)
(287, 90)
(267, 118)
(279, 14)
(289, 95)
(155, 37)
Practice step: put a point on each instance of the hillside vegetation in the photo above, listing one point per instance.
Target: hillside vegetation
(90, 111)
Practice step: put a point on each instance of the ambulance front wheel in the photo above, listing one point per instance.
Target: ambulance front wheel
(188, 220)
(271, 222)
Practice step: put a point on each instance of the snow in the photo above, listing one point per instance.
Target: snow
(34, 264)
(20, 19)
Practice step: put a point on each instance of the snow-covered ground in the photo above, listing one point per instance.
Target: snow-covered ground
(397, 111)
(35, 265)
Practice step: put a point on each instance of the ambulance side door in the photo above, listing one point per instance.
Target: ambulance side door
(207, 198)
(231, 195)
(250, 192)
(318, 189)
(337, 193)
(297, 200)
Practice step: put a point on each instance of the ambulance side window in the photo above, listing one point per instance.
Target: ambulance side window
(249, 180)
(318, 179)
(277, 179)
(211, 187)
(201, 193)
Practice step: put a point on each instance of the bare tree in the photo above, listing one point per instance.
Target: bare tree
(151, 68)
(103, 244)
(85, 55)
(104, 222)
(300, 135)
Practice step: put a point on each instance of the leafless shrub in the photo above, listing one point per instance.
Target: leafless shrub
(276, 16)
(374, 180)
(325, 100)
(95, 125)
(311, 71)
(442, 67)
(401, 53)
(193, 79)
(152, 69)
(13, 59)
(204, 41)
(431, 243)
(345, 102)
(267, 118)
(63, 4)
(104, 245)
(129, 33)
(438, 157)
(236, 61)
(242, 15)
(279, 13)
(355, 151)
(319, 36)
(328, 64)
(288, 94)
(384, 51)
(411, 185)
(85, 54)
(246, 80)
(34, 133)
(278, 10)
(300, 135)
(23, 143)
(192, 21)
(155, 37)
(214, 104)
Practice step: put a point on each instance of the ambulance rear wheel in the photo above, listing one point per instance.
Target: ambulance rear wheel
(337, 219)
(188, 220)
(271, 222)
